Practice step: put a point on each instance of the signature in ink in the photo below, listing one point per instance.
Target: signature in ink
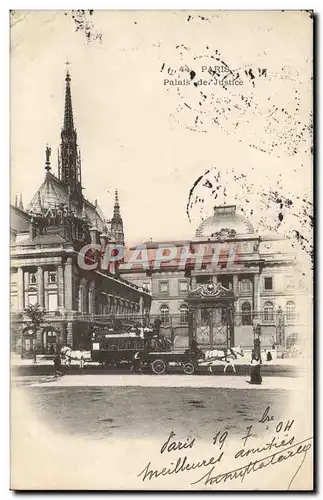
(301, 447)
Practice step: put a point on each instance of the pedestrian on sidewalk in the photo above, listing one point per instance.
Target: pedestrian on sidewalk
(255, 377)
(81, 366)
(57, 364)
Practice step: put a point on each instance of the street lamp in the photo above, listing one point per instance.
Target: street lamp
(256, 340)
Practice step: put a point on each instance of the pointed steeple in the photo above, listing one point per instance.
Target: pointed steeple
(68, 112)
(116, 208)
(69, 160)
(116, 221)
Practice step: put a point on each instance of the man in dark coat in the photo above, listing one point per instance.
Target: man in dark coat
(57, 364)
(157, 324)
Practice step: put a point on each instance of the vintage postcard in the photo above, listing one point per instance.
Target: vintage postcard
(161, 250)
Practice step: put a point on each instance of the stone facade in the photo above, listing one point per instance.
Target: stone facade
(269, 289)
(46, 241)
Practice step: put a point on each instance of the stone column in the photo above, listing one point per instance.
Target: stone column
(141, 305)
(70, 333)
(237, 318)
(236, 285)
(193, 282)
(40, 286)
(256, 295)
(69, 284)
(20, 288)
(45, 289)
(60, 284)
(91, 294)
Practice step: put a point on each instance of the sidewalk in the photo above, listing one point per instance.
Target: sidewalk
(42, 361)
(166, 381)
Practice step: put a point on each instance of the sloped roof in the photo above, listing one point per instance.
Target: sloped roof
(53, 192)
(45, 239)
(19, 219)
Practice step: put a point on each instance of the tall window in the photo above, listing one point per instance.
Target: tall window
(290, 310)
(246, 313)
(245, 285)
(269, 311)
(184, 313)
(52, 301)
(268, 282)
(183, 287)
(164, 313)
(32, 278)
(163, 287)
(52, 277)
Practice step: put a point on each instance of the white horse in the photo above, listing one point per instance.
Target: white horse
(226, 356)
(68, 355)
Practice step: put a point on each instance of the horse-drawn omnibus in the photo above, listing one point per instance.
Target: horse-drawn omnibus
(116, 348)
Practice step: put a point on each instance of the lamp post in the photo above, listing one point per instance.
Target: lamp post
(256, 340)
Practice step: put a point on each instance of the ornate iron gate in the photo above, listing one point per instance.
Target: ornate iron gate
(211, 316)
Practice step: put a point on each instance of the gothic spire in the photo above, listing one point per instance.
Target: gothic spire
(116, 209)
(68, 112)
(116, 221)
(70, 160)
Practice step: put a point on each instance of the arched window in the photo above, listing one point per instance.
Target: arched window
(164, 313)
(184, 313)
(290, 310)
(246, 313)
(269, 311)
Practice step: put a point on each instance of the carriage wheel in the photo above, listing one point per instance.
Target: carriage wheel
(188, 368)
(158, 366)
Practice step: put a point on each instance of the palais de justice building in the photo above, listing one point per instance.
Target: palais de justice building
(255, 277)
(45, 240)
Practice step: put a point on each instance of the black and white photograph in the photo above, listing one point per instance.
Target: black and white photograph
(161, 250)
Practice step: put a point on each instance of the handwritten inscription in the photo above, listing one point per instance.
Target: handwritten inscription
(241, 472)
(278, 448)
(172, 445)
(266, 417)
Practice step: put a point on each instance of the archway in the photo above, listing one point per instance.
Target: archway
(49, 340)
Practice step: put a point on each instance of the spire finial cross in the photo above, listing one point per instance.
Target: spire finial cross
(67, 64)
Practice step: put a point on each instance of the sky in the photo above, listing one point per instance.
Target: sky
(153, 139)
